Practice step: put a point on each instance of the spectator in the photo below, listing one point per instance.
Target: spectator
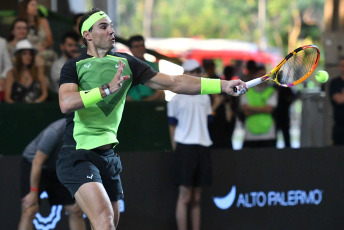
(188, 118)
(210, 68)
(39, 34)
(258, 105)
(25, 82)
(224, 110)
(286, 96)
(5, 66)
(69, 49)
(337, 99)
(39, 174)
(250, 71)
(18, 31)
(141, 92)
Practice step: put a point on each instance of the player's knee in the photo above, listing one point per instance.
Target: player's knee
(185, 198)
(106, 222)
(196, 197)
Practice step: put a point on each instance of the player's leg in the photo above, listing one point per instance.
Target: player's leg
(112, 182)
(59, 194)
(95, 203)
(195, 208)
(184, 199)
(75, 217)
(203, 177)
(115, 207)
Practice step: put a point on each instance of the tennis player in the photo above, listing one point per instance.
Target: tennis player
(92, 93)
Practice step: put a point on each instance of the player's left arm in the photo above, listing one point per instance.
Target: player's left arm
(186, 84)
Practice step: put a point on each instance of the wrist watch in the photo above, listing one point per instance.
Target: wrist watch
(106, 89)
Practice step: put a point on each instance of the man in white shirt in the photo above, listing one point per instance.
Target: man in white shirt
(188, 119)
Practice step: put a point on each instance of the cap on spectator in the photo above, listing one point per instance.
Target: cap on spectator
(24, 45)
(190, 64)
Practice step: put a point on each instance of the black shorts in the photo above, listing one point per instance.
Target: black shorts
(193, 165)
(57, 193)
(77, 167)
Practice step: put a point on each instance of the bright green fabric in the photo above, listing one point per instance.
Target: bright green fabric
(259, 123)
(90, 123)
(210, 86)
(89, 22)
(90, 97)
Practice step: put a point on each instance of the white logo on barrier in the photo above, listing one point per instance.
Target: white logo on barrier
(226, 201)
(49, 222)
(271, 198)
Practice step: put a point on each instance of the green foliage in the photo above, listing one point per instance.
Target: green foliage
(231, 19)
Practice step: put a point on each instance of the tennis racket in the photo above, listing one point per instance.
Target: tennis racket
(292, 70)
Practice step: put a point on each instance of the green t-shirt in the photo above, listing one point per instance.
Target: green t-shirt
(97, 125)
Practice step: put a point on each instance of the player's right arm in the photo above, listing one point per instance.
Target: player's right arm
(69, 96)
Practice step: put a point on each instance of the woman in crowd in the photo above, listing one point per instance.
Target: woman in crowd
(25, 82)
(39, 32)
(18, 31)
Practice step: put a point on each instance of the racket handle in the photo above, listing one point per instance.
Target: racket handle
(249, 84)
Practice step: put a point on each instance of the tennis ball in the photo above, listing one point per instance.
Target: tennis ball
(321, 76)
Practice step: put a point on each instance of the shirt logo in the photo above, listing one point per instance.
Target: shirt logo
(87, 65)
(89, 177)
(116, 66)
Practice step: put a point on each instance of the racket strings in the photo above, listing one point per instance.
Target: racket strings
(297, 66)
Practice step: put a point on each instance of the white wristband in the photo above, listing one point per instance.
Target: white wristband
(107, 91)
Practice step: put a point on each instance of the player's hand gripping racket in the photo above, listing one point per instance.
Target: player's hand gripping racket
(292, 70)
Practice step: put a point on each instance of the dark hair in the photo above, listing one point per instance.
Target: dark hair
(251, 65)
(10, 36)
(18, 65)
(228, 72)
(70, 34)
(208, 63)
(23, 12)
(83, 19)
(260, 67)
(75, 18)
(135, 38)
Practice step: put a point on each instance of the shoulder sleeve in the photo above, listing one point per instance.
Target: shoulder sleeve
(48, 142)
(68, 73)
(170, 108)
(142, 72)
